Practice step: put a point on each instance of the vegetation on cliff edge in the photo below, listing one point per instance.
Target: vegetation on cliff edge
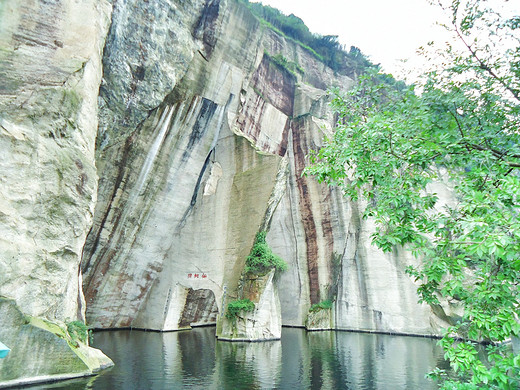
(234, 308)
(261, 259)
(282, 62)
(326, 48)
(323, 305)
(78, 330)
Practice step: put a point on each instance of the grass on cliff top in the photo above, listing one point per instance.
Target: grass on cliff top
(323, 305)
(326, 48)
(241, 305)
(261, 259)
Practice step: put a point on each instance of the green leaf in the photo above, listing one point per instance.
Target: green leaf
(462, 130)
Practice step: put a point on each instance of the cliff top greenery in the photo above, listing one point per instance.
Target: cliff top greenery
(238, 306)
(261, 259)
(323, 305)
(324, 47)
(78, 331)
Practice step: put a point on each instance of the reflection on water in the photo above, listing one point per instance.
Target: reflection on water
(301, 360)
(248, 365)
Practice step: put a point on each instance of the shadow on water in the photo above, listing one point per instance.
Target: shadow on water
(300, 360)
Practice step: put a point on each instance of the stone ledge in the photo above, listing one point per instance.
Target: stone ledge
(248, 340)
(43, 379)
(42, 350)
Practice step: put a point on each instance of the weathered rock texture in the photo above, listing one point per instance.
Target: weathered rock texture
(50, 71)
(264, 322)
(203, 142)
(42, 350)
(320, 320)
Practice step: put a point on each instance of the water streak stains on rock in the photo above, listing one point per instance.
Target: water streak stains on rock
(207, 26)
(275, 85)
(309, 226)
(204, 116)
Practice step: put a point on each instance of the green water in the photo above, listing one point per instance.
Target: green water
(300, 360)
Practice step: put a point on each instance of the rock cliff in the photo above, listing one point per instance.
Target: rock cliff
(50, 71)
(199, 136)
(203, 141)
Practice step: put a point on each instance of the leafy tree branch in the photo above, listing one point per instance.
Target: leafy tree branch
(463, 130)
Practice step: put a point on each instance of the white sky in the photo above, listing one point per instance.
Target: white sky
(385, 30)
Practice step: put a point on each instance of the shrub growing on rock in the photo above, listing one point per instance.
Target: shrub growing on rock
(323, 305)
(78, 331)
(261, 259)
(241, 305)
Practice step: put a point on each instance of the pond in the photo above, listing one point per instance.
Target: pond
(300, 360)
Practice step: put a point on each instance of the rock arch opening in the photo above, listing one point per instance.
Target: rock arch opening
(200, 309)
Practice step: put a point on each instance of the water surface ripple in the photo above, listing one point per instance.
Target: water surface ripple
(300, 360)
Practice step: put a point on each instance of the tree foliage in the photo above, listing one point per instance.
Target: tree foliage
(463, 130)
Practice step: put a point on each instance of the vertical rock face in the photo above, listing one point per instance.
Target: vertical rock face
(261, 324)
(148, 49)
(50, 71)
(48, 90)
(374, 293)
(203, 141)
